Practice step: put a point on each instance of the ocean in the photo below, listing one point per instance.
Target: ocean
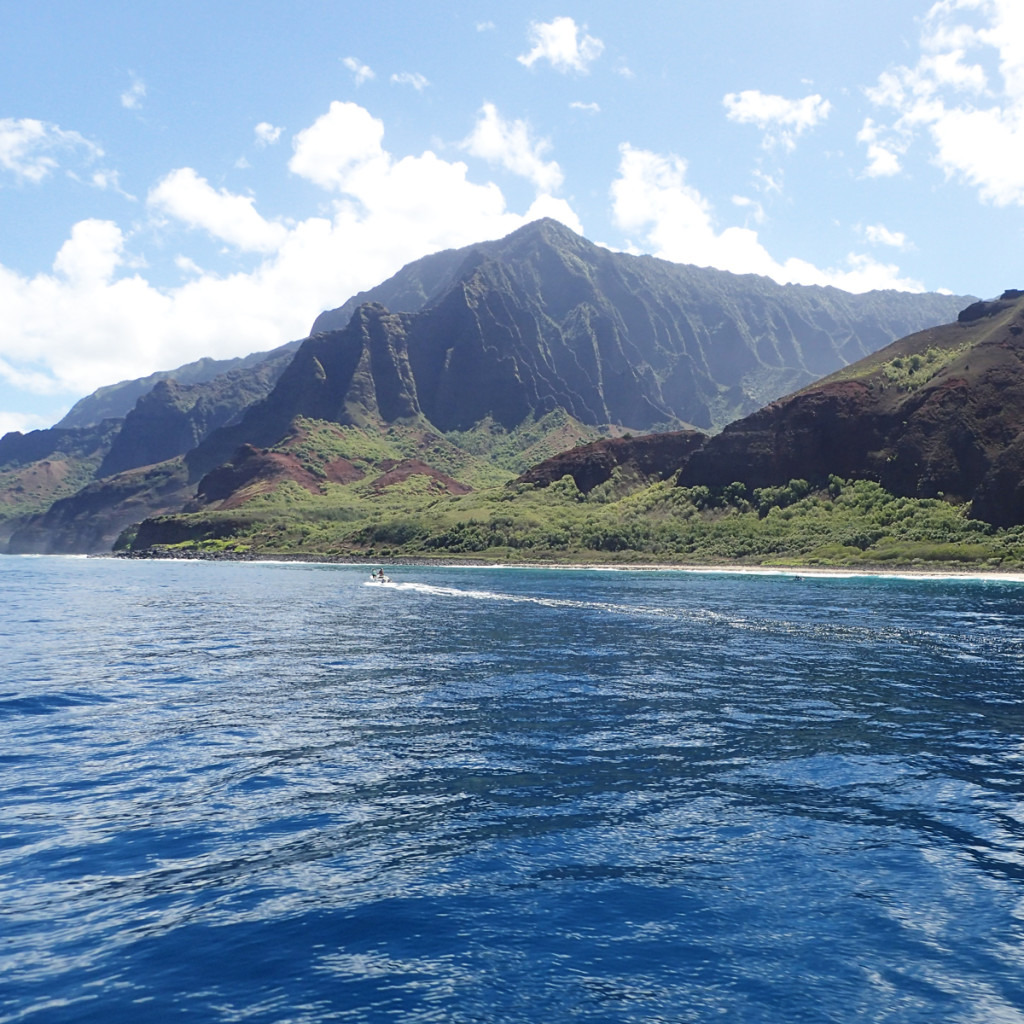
(263, 792)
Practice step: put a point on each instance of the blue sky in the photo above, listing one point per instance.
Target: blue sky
(193, 178)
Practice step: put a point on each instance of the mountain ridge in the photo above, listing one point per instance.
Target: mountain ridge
(509, 333)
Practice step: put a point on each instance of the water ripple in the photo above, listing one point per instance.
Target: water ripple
(271, 793)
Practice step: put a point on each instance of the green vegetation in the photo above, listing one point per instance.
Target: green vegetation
(530, 443)
(904, 373)
(908, 373)
(848, 524)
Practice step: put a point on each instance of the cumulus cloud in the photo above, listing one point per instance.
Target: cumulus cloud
(266, 133)
(782, 121)
(92, 253)
(30, 149)
(360, 71)
(563, 44)
(344, 141)
(184, 195)
(510, 144)
(413, 78)
(94, 318)
(652, 199)
(132, 97)
(964, 97)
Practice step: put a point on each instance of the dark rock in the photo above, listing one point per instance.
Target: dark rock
(940, 413)
(650, 457)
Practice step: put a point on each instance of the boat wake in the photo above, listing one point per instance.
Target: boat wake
(547, 602)
(826, 632)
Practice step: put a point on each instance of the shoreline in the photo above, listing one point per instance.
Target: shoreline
(795, 571)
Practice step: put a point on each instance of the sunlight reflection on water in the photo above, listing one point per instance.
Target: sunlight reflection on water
(270, 792)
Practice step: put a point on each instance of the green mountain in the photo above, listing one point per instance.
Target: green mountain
(545, 319)
(912, 457)
(937, 414)
(43, 472)
(506, 350)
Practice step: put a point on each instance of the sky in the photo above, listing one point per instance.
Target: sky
(186, 179)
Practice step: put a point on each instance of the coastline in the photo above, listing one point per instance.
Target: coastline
(735, 569)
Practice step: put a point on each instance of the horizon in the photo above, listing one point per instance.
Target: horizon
(155, 214)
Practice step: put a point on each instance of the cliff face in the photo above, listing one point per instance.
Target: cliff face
(90, 521)
(545, 319)
(73, 489)
(938, 413)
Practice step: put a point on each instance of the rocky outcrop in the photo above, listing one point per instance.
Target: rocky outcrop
(940, 413)
(253, 471)
(648, 458)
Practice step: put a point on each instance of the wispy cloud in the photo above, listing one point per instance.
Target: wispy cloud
(510, 144)
(30, 149)
(266, 134)
(563, 44)
(132, 97)
(183, 194)
(413, 78)
(879, 234)
(360, 72)
(781, 120)
(885, 149)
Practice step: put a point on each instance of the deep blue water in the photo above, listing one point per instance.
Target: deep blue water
(240, 792)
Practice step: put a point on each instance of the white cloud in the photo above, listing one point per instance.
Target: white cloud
(93, 320)
(965, 96)
(782, 121)
(413, 78)
(266, 133)
(132, 97)
(879, 234)
(344, 141)
(92, 253)
(29, 149)
(652, 198)
(184, 195)
(360, 71)
(107, 179)
(588, 108)
(559, 42)
(885, 148)
(509, 143)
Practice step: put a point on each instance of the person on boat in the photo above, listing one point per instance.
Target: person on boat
(380, 573)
